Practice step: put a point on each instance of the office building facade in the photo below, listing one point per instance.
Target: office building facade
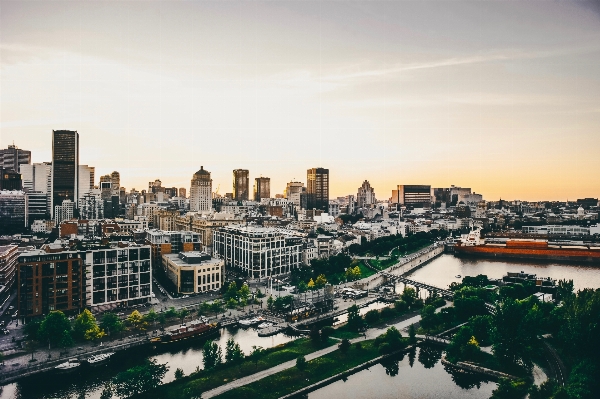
(10, 180)
(13, 212)
(365, 196)
(201, 191)
(415, 196)
(257, 251)
(12, 158)
(241, 184)
(317, 189)
(65, 167)
(194, 272)
(262, 188)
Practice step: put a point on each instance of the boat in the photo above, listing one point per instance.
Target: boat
(68, 366)
(473, 244)
(252, 322)
(97, 360)
(458, 276)
(192, 330)
(266, 324)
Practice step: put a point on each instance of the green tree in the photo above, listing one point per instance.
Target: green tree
(171, 313)
(111, 323)
(179, 374)
(270, 303)
(301, 363)
(183, 313)
(344, 345)
(136, 321)
(320, 281)
(52, 327)
(139, 379)
(232, 303)
(31, 329)
(204, 309)
(256, 353)
(212, 355)
(302, 287)
(66, 340)
(372, 316)
(326, 332)
(412, 335)
(409, 296)
(31, 347)
(233, 352)
(151, 316)
(355, 320)
(83, 323)
(508, 389)
(94, 333)
(231, 293)
(217, 307)
(244, 294)
(259, 294)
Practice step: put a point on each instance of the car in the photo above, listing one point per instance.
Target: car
(5, 331)
(11, 307)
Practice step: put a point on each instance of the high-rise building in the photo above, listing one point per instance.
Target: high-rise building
(155, 186)
(91, 205)
(65, 167)
(182, 193)
(241, 184)
(317, 188)
(86, 179)
(262, 188)
(37, 177)
(115, 178)
(293, 192)
(37, 206)
(366, 195)
(10, 180)
(201, 191)
(12, 158)
(13, 212)
(63, 211)
(417, 196)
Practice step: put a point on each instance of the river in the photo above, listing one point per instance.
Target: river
(408, 382)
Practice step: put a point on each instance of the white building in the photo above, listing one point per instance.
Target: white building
(120, 276)
(258, 251)
(64, 211)
(201, 191)
(86, 180)
(194, 272)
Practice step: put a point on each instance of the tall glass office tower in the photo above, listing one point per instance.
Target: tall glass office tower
(65, 167)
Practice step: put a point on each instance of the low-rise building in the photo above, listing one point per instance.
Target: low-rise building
(194, 272)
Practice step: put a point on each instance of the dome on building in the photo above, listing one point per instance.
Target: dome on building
(202, 172)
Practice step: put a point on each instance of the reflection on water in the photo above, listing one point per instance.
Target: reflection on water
(404, 378)
(443, 271)
(91, 384)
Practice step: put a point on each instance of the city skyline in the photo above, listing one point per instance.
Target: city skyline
(498, 97)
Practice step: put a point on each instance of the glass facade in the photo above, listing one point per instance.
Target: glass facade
(65, 166)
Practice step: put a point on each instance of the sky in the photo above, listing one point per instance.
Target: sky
(499, 96)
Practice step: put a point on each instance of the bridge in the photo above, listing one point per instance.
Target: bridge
(444, 293)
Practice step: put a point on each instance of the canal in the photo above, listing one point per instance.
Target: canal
(405, 378)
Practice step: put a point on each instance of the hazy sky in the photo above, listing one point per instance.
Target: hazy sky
(500, 96)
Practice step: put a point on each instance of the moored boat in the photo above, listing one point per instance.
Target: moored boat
(68, 366)
(194, 329)
(97, 360)
(265, 325)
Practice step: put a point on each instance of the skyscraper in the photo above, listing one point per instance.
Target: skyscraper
(366, 195)
(86, 179)
(201, 191)
(241, 184)
(65, 167)
(317, 189)
(262, 188)
(12, 157)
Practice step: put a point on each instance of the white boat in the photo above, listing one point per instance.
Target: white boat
(97, 360)
(458, 276)
(68, 366)
(265, 325)
(247, 322)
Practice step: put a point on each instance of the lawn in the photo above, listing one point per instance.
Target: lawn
(292, 379)
(196, 383)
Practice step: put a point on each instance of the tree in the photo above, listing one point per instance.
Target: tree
(315, 336)
(83, 323)
(412, 335)
(140, 378)
(52, 327)
(508, 389)
(320, 281)
(183, 313)
(344, 345)
(31, 329)
(171, 313)
(302, 287)
(212, 355)
(179, 374)
(259, 294)
(301, 363)
(94, 333)
(217, 307)
(326, 332)
(111, 323)
(311, 284)
(256, 354)
(355, 320)
(270, 303)
(151, 316)
(106, 392)
(244, 294)
(31, 347)
(372, 316)
(231, 292)
(409, 295)
(136, 320)
(232, 303)
(233, 352)
(66, 340)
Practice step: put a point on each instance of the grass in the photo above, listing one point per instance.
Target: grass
(205, 380)
(292, 379)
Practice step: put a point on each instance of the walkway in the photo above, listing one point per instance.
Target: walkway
(371, 333)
